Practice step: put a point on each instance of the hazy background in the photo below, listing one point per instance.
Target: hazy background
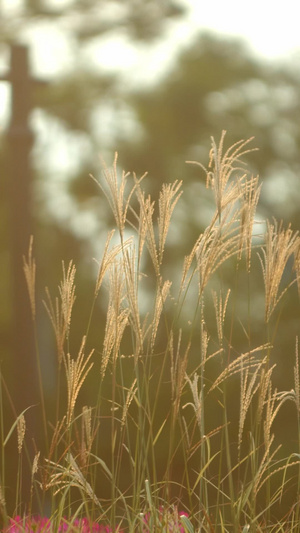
(152, 80)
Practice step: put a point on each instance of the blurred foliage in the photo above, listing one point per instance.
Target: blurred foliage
(143, 20)
(214, 84)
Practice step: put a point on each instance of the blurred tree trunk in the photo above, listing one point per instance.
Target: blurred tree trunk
(20, 140)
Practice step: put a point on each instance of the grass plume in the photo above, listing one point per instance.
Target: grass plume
(171, 421)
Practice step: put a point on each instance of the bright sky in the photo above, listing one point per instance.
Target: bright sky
(269, 28)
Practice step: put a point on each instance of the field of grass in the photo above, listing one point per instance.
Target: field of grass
(189, 429)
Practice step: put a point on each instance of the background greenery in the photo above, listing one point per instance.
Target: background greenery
(213, 84)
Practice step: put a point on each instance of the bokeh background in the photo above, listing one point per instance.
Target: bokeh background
(152, 80)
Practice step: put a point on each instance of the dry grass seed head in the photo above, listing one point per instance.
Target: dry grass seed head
(188, 260)
(204, 343)
(115, 192)
(273, 403)
(129, 268)
(141, 221)
(220, 310)
(87, 425)
(280, 246)
(29, 268)
(60, 310)
(168, 199)
(197, 403)
(264, 466)
(76, 373)
(67, 294)
(223, 167)
(146, 228)
(218, 242)
(178, 370)
(243, 362)
(250, 196)
(161, 296)
(249, 387)
(274, 472)
(265, 380)
(35, 464)
(86, 435)
(21, 429)
(64, 477)
(129, 397)
(117, 314)
(108, 258)
(214, 247)
(114, 330)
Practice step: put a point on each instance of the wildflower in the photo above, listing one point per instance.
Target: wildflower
(40, 524)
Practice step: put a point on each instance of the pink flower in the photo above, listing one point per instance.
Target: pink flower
(40, 524)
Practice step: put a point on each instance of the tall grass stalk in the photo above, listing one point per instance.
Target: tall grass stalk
(170, 421)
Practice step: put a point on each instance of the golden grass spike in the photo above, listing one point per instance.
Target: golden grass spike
(249, 198)
(67, 294)
(76, 372)
(129, 269)
(188, 261)
(273, 403)
(264, 465)
(280, 246)
(35, 464)
(178, 371)
(249, 387)
(265, 379)
(220, 311)
(214, 247)
(161, 296)
(109, 258)
(29, 268)
(68, 476)
(117, 314)
(21, 429)
(197, 403)
(115, 192)
(223, 167)
(60, 310)
(244, 361)
(146, 224)
(87, 425)
(168, 198)
(129, 397)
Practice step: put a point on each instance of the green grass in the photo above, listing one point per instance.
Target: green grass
(185, 411)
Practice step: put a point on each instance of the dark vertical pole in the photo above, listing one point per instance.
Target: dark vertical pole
(20, 142)
(24, 382)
